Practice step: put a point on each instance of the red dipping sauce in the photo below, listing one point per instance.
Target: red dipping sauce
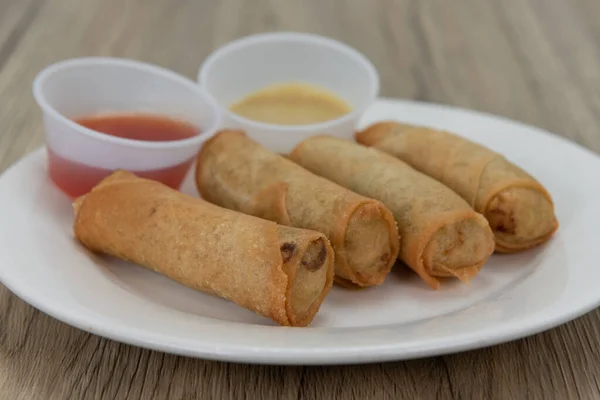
(76, 179)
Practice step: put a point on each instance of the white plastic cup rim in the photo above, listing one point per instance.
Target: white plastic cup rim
(354, 54)
(160, 72)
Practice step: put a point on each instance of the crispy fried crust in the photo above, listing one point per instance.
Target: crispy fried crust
(280, 272)
(237, 173)
(441, 235)
(519, 209)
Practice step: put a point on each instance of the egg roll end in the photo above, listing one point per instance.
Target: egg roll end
(521, 218)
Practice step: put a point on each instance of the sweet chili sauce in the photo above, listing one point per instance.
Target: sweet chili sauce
(76, 179)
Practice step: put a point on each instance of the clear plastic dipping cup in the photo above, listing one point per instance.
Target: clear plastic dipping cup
(78, 157)
(249, 64)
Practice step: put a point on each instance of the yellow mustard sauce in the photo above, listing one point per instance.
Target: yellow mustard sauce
(291, 104)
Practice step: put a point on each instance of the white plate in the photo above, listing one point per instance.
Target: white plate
(513, 296)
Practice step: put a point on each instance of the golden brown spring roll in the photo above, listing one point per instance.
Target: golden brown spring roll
(235, 172)
(441, 235)
(518, 208)
(280, 272)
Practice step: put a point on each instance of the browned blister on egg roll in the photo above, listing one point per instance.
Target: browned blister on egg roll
(518, 208)
(280, 272)
(235, 172)
(441, 235)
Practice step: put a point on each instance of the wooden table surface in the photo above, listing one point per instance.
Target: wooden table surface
(536, 61)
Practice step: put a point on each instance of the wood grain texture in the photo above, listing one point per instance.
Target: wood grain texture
(537, 61)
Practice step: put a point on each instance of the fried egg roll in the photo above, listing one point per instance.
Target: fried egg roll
(235, 172)
(518, 208)
(280, 272)
(441, 235)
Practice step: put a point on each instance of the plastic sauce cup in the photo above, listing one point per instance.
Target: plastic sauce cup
(82, 87)
(249, 64)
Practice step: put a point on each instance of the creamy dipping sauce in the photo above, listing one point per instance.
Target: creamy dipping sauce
(291, 104)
